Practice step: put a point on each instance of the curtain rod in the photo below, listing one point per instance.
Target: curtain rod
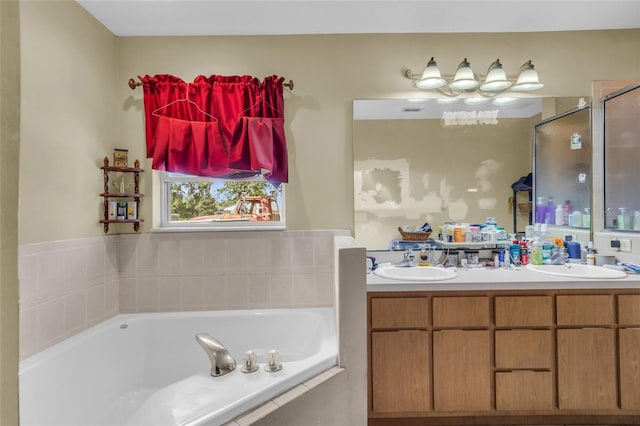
(133, 84)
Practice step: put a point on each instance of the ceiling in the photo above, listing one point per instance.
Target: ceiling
(270, 17)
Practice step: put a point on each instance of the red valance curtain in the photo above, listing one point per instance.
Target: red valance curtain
(217, 126)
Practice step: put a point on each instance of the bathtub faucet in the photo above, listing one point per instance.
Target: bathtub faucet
(221, 360)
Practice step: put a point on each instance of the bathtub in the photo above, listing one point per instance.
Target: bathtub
(147, 369)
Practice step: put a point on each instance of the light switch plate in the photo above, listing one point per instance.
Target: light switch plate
(625, 245)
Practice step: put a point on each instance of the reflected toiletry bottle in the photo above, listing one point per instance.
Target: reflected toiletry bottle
(610, 219)
(550, 211)
(576, 219)
(623, 218)
(567, 209)
(586, 218)
(636, 220)
(540, 210)
(559, 215)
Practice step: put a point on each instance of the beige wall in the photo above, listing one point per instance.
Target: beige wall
(69, 120)
(330, 71)
(437, 164)
(9, 147)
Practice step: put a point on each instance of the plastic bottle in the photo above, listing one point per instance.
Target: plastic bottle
(540, 210)
(559, 215)
(591, 257)
(524, 253)
(576, 219)
(536, 252)
(567, 209)
(586, 218)
(549, 212)
(514, 252)
(636, 220)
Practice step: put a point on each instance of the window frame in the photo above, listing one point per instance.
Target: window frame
(168, 178)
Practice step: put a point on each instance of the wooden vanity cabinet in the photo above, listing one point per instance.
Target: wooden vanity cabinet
(510, 357)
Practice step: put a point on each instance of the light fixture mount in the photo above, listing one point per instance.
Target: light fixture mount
(466, 81)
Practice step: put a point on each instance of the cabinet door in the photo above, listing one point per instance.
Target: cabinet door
(461, 370)
(587, 369)
(524, 390)
(629, 340)
(400, 371)
(524, 349)
(400, 312)
(585, 310)
(523, 311)
(461, 312)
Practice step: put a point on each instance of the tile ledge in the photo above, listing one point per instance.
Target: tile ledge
(284, 398)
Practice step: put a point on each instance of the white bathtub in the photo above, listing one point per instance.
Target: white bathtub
(147, 369)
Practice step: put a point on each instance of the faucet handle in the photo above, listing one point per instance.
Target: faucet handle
(249, 362)
(273, 362)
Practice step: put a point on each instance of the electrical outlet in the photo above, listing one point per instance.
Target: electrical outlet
(625, 245)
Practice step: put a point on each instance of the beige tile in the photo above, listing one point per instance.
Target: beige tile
(169, 256)
(147, 294)
(323, 252)
(95, 263)
(324, 289)
(75, 270)
(281, 254)
(215, 291)
(237, 255)
(127, 295)
(28, 332)
(282, 290)
(231, 423)
(127, 259)
(169, 293)
(238, 291)
(290, 395)
(215, 256)
(259, 290)
(28, 280)
(111, 266)
(257, 414)
(302, 253)
(111, 301)
(304, 289)
(322, 377)
(192, 292)
(192, 257)
(50, 322)
(75, 308)
(259, 255)
(96, 303)
(146, 253)
(51, 276)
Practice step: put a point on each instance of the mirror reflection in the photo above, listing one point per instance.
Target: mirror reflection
(427, 161)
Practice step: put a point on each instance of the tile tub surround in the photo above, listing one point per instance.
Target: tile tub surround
(68, 286)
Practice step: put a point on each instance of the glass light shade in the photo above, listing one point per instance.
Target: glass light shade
(431, 77)
(504, 101)
(476, 101)
(464, 78)
(527, 79)
(496, 80)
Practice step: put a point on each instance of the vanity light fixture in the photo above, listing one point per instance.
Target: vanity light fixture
(466, 81)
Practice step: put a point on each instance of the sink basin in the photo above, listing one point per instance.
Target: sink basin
(577, 270)
(415, 273)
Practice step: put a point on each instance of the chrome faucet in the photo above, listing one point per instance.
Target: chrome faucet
(221, 360)
(407, 260)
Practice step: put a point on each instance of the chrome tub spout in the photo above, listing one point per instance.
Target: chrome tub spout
(221, 360)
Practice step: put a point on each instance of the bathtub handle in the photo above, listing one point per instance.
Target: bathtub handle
(221, 360)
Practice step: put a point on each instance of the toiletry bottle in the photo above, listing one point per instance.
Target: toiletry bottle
(540, 210)
(576, 217)
(567, 209)
(550, 211)
(586, 218)
(536, 252)
(591, 256)
(514, 252)
(524, 253)
(559, 215)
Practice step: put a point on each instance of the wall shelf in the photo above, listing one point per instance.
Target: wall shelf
(134, 196)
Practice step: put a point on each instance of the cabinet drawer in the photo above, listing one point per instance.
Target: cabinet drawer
(400, 312)
(523, 349)
(629, 309)
(461, 311)
(524, 390)
(523, 311)
(585, 310)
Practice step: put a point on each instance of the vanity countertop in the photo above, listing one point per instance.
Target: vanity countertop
(501, 279)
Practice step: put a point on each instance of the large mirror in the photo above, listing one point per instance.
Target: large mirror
(418, 161)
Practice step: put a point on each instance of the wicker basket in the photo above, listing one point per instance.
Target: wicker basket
(414, 236)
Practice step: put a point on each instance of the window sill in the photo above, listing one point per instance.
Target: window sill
(170, 229)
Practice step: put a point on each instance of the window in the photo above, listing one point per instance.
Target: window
(211, 203)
